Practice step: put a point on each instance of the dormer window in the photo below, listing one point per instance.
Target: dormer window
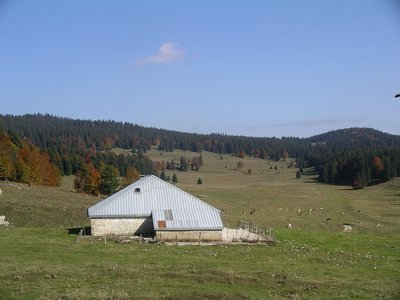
(137, 190)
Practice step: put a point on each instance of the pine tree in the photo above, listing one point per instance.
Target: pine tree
(199, 181)
(183, 164)
(109, 179)
(163, 176)
(174, 179)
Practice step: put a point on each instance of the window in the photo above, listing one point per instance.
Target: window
(168, 215)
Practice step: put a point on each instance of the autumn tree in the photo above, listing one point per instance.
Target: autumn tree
(92, 180)
(50, 174)
(195, 163)
(131, 175)
(7, 155)
(377, 167)
(171, 165)
(80, 182)
(31, 158)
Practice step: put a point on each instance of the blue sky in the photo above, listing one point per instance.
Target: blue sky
(254, 68)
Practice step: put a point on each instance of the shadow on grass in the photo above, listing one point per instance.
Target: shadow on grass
(76, 230)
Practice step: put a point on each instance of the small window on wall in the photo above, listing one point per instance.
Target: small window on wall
(161, 224)
(168, 215)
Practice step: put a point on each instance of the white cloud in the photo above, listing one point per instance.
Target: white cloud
(167, 53)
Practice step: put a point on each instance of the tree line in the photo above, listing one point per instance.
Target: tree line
(82, 148)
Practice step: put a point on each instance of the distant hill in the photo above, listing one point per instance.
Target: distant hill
(356, 137)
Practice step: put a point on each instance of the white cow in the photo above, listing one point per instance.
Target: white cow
(1, 192)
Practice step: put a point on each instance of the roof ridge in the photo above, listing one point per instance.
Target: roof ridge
(179, 189)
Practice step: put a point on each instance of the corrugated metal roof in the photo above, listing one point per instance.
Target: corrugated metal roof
(152, 195)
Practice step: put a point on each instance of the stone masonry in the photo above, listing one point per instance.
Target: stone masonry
(121, 226)
(189, 236)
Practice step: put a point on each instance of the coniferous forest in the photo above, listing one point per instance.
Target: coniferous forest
(39, 149)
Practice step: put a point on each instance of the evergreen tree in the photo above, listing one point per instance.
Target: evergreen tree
(199, 181)
(174, 179)
(109, 179)
(183, 164)
(163, 176)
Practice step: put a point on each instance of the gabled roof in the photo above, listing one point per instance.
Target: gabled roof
(153, 196)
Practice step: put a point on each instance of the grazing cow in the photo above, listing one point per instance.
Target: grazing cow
(1, 192)
(289, 226)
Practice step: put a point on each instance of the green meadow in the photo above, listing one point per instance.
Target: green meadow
(40, 257)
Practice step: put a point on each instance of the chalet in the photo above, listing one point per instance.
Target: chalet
(153, 207)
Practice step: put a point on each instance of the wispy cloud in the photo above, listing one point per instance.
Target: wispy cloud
(312, 123)
(167, 53)
(306, 123)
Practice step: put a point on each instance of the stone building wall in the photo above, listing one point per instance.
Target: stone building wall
(189, 236)
(122, 226)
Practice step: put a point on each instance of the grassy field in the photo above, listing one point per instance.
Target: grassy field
(40, 258)
(277, 196)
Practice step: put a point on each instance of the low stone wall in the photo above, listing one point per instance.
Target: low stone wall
(3, 221)
(123, 226)
(189, 236)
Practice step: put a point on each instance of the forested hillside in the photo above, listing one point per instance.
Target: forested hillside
(80, 147)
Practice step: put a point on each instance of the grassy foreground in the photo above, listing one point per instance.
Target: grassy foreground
(39, 259)
(38, 263)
